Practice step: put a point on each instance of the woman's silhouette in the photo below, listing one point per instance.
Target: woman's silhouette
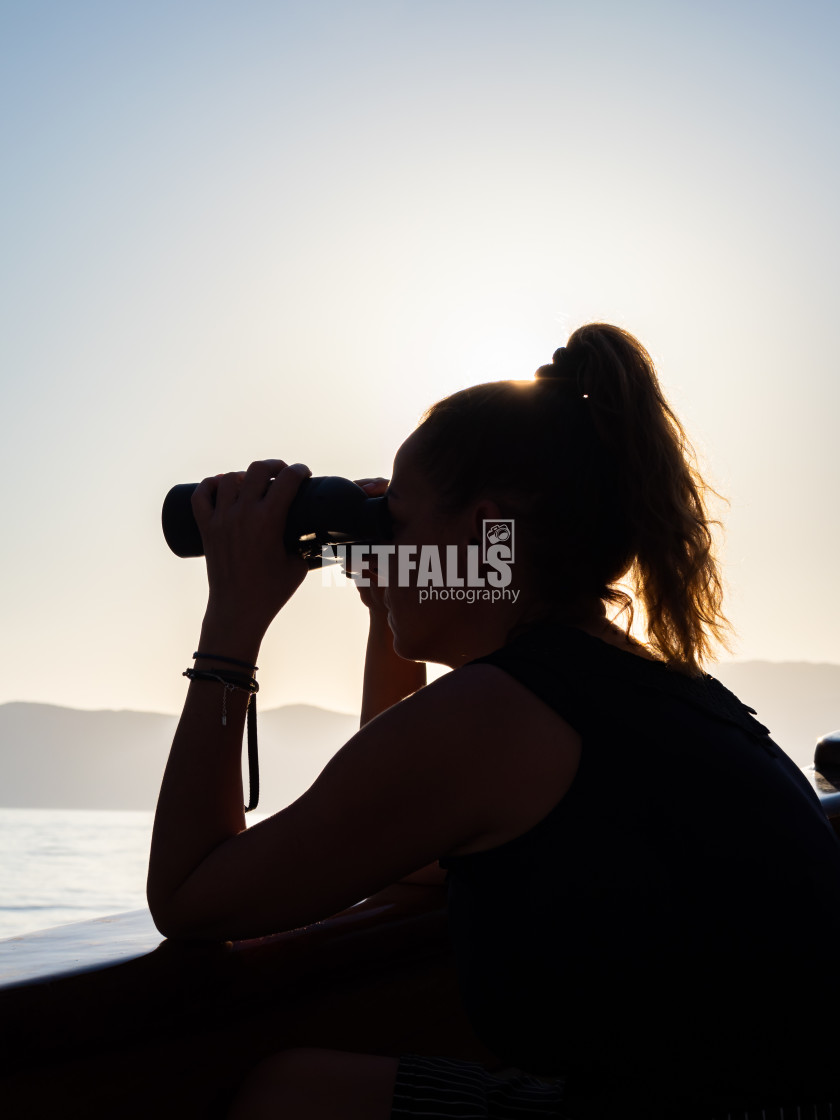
(636, 873)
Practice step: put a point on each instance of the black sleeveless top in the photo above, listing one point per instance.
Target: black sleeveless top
(658, 935)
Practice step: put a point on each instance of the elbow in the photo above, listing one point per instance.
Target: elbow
(174, 928)
(162, 916)
(166, 916)
(179, 922)
(159, 901)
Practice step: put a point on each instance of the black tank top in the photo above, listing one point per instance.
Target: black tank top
(657, 936)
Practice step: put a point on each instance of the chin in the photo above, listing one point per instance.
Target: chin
(412, 648)
(406, 650)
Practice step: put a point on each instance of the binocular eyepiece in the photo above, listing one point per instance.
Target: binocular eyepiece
(326, 510)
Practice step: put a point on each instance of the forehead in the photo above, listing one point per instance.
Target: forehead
(406, 473)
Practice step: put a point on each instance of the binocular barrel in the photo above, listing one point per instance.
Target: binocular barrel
(326, 510)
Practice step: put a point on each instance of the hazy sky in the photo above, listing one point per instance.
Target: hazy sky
(250, 229)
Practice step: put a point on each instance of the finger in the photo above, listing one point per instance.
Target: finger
(285, 486)
(204, 499)
(373, 487)
(227, 491)
(258, 476)
(276, 465)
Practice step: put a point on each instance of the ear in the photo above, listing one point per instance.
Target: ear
(486, 510)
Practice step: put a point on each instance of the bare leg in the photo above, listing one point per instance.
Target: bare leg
(311, 1084)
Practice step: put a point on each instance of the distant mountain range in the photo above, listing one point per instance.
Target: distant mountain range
(53, 757)
(799, 701)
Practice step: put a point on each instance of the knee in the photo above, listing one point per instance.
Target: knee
(276, 1084)
(308, 1083)
(297, 1061)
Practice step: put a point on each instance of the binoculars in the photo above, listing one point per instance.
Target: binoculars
(326, 510)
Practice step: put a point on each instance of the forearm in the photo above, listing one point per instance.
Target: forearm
(388, 677)
(200, 804)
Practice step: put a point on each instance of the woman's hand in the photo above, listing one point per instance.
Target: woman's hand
(388, 677)
(242, 517)
(372, 596)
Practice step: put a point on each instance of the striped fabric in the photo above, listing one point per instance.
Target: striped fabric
(428, 1087)
(789, 1112)
(454, 1090)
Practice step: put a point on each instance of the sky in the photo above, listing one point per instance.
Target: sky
(233, 231)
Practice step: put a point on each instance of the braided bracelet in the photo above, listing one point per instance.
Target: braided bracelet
(233, 682)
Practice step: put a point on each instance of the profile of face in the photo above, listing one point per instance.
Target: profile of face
(444, 630)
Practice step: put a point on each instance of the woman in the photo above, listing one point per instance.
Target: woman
(624, 949)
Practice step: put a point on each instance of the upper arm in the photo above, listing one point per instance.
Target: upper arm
(423, 778)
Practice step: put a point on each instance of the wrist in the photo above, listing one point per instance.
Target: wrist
(230, 637)
(378, 628)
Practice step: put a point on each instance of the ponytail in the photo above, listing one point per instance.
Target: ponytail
(674, 573)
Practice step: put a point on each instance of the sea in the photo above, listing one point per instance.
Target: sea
(70, 865)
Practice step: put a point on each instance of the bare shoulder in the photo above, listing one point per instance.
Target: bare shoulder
(478, 711)
(502, 750)
(530, 756)
(512, 711)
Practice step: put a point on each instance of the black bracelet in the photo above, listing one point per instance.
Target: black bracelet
(238, 682)
(228, 660)
(231, 681)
